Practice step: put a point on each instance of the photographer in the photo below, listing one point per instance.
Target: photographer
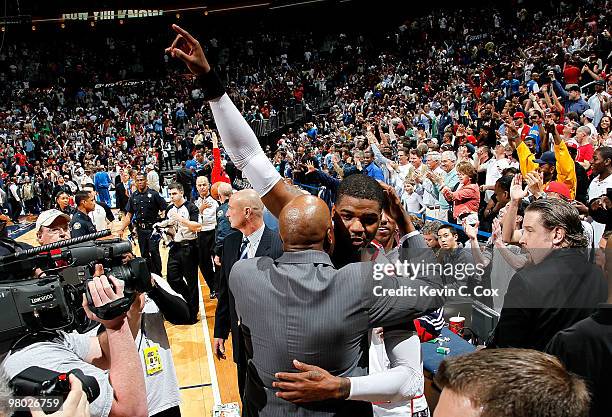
(66, 351)
(147, 325)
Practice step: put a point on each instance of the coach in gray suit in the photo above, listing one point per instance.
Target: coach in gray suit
(300, 307)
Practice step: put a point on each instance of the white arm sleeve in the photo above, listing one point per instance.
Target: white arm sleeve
(242, 145)
(403, 381)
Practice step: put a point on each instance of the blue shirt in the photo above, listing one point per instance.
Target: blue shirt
(530, 85)
(374, 171)
(102, 180)
(510, 86)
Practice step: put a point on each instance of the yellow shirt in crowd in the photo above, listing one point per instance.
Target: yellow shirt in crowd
(566, 170)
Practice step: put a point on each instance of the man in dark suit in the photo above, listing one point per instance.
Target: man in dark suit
(558, 288)
(253, 239)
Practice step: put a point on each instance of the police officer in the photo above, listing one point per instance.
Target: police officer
(182, 264)
(144, 205)
(81, 224)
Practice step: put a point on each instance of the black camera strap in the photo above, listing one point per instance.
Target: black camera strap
(31, 338)
(12, 245)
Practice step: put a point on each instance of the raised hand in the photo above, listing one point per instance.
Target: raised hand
(470, 231)
(535, 182)
(497, 232)
(517, 193)
(310, 166)
(186, 48)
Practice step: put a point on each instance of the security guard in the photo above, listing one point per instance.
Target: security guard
(81, 224)
(144, 205)
(183, 255)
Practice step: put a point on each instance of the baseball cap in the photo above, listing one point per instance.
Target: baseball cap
(589, 114)
(574, 87)
(46, 218)
(547, 158)
(600, 82)
(559, 188)
(519, 115)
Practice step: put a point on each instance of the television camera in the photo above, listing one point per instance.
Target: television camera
(51, 299)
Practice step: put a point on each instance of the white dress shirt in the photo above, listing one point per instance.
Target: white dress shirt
(208, 217)
(254, 239)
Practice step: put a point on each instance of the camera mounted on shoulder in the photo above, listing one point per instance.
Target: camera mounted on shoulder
(51, 300)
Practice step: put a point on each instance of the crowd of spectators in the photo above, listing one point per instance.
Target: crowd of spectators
(474, 126)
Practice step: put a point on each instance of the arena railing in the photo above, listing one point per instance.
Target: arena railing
(287, 116)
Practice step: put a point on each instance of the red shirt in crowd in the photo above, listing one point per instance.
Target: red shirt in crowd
(585, 153)
(524, 131)
(571, 74)
(218, 174)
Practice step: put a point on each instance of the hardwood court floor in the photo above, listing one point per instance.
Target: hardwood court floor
(204, 380)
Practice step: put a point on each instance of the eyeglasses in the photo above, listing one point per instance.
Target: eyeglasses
(58, 229)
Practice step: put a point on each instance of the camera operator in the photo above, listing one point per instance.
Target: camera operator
(66, 351)
(149, 332)
(161, 302)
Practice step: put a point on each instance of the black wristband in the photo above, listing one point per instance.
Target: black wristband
(211, 84)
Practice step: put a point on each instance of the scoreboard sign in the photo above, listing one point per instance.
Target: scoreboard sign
(112, 14)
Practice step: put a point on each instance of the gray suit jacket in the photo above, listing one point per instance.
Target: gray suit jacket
(301, 307)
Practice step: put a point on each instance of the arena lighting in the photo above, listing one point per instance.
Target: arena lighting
(248, 6)
(302, 3)
(86, 16)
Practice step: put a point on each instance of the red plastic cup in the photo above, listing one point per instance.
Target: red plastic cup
(456, 324)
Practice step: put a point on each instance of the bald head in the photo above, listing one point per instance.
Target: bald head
(248, 198)
(305, 223)
(245, 211)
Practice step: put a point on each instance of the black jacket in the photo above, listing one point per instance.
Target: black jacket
(586, 349)
(226, 318)
(122, 196)
(546, 298)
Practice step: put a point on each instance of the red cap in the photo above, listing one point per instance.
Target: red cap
(519, 114)
(559, 188)
(560, 129)
(471, 139)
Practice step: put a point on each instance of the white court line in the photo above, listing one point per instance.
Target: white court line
(209, 351)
